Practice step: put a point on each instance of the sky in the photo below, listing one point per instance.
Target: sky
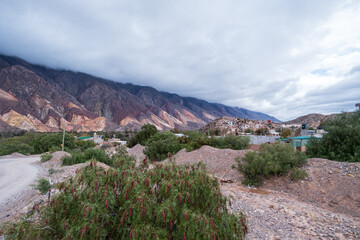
(284, 58)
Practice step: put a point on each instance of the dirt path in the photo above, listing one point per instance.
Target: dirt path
(15, 175)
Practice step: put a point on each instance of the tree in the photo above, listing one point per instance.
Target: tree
(141, 137)
(342, 142)
(285, 133)
(262, 131)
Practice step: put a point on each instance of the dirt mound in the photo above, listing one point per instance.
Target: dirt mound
(137, 152)
(331, 185)
(13, 155)
(55, 161)
(218, 161)
(65, 172)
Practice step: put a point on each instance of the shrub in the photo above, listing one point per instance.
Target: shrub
(342, 142)
(46, 157)
(18, 144)
(54, 149)
(9, 147)
(249, 130)
(46, 141)
(285, 133)
(232, 141)
(53, 171)
(167, 202)
(83, 145)
(43, 186)
(262, 131)
(105, 146)
(89, 154)
(161, 144)
(271, 160)
(298, 174)
(142, 136)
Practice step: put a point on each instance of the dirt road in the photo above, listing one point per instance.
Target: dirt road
(15, 175)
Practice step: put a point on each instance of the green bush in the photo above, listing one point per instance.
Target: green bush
(43, 186)
(83, 145)
(160, 145)
(167, 202)
(298, 174)
(46, 157)
(89, 154)
(54, 149)
(105, 146)
(46, 141)
(143, 135)
(232, 141)
(18, 144)
(285, 133)
(342, 142)
(271, 160)
(9, 147)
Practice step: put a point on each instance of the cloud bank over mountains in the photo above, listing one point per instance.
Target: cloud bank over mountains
(284, 58)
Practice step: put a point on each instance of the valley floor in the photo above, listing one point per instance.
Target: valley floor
(326, 205)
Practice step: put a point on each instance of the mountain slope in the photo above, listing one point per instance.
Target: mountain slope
(49, 99)
(313, 120)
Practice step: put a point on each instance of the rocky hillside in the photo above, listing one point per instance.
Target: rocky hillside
(228, 125)
(37, 98)
(313, 120)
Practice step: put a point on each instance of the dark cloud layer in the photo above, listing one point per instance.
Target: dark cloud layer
(284, 58)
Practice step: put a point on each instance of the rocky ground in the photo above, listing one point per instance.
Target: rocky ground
(326, 205)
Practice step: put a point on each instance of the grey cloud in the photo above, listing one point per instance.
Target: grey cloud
(233, 52)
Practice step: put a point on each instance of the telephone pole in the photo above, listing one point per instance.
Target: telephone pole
(63, 143)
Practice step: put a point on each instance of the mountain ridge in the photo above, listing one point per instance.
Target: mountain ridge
(79, 101)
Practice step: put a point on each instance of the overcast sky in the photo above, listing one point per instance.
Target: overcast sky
(284, 58)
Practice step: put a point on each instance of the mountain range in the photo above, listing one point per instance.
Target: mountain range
(38, 98)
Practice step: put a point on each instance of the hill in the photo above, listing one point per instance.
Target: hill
(312, 120)
(38, 98)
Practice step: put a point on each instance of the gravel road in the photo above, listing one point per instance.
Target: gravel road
(15, 175)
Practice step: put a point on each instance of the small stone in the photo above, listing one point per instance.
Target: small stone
(277, 238)
(350, 175)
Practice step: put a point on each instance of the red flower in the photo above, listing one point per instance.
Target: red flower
(163, 215)
(169, 186)
(127, 194)
(106, 204)
(123, 219)
(186, 216)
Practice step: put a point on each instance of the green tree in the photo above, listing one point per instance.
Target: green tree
(160, 145)
(262, 131)
(285, 133)
(45, 142)
(143, 135)
(342, 142)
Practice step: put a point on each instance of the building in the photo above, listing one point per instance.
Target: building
(299, 143)
(95, 138)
